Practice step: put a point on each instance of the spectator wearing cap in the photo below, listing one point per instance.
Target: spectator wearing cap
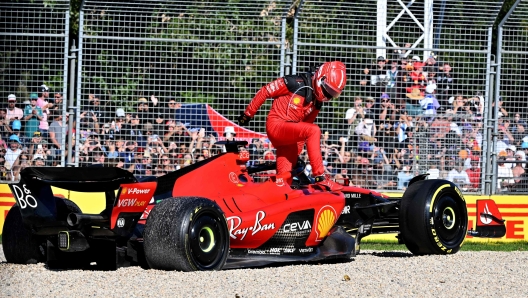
(145, 109)
(36, 140)
(510, 156)
(12, 155)
(32, 117)
(387, 108)
(43, 97)
(353, 116)
(412, 105)
(120, 119)
(13, 112)
(44, 105)
(366, 130)
(39, 161)
(229, 133)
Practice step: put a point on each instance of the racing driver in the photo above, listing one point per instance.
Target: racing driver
(297, 101)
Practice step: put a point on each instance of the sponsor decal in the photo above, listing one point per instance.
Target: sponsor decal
(24, 197)
(233, 177)
(243, 155)
(483, 218)
(120, 222)
(346, 210)
(135, 191)
(234, 223)
(296, 100)
(325, 219)
(353, 195)
(130, 203)
(487, 210)
(280, 182)
(297, 226)
(293, 106)
(279, 251)
(438, 243)
(257, 252)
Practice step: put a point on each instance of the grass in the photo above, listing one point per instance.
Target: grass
(468, 246)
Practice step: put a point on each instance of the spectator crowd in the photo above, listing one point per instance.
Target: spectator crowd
(407, 118)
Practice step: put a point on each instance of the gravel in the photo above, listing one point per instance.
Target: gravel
(370, 274)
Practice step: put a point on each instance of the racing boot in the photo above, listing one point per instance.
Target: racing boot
(325, 183)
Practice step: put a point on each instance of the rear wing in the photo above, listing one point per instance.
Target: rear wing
(34, 195)
(489, 221)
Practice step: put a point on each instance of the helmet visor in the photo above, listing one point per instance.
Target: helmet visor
(329, 91)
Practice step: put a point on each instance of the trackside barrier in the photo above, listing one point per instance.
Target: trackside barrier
(514, 210)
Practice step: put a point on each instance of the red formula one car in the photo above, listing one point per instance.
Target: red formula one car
(212, 215)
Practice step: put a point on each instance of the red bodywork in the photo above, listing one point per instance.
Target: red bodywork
(255, 211)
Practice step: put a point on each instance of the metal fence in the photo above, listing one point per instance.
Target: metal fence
(392, 49)
(511, 128)
(34, 38)
(145, 60)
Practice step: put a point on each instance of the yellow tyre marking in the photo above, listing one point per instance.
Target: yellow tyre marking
(434, 196)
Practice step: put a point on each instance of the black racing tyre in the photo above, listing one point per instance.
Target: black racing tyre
(433, 217)
(186, 234)
(20, 245)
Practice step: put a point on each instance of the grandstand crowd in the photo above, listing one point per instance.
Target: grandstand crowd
(408, 118)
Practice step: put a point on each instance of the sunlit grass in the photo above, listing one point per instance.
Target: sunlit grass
(467, 246)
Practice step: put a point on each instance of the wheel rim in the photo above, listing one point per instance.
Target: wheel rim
(207, 242)
(449, 221)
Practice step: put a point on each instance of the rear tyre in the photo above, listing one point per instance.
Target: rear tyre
(20, 245)
(186, 234)
(433, 217)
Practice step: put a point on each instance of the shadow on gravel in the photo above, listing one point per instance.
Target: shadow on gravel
(389, 254)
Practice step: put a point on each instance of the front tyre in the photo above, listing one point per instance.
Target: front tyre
(433, 217)
(186, 234)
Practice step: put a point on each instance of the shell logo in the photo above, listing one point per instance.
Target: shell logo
(296, 100)
(124, 190)
(326, 219)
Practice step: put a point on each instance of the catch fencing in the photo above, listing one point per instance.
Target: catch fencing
(162, 54)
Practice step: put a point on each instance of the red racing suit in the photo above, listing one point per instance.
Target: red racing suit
(290, 121)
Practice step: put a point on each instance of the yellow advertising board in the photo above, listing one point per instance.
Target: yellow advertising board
(92, 203)
(514, 209)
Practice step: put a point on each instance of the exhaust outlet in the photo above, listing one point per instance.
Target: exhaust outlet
(75, 219)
